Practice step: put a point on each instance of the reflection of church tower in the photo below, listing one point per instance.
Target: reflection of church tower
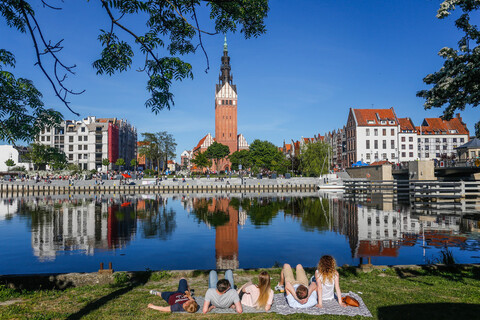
(226, 236)
(226, 105)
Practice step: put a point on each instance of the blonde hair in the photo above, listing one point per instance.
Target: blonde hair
(192, 307)
(327, 268)
(264, 288)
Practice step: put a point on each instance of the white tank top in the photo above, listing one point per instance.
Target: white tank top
(327, 288)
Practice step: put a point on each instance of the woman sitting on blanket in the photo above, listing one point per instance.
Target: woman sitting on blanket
(259, 296)
(327, 277)
(179, 301)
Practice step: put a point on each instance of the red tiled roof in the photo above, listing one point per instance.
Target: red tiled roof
(288, 147)
(406, 124)
(374, 116)
(440, 126)
(379, 163)
(170, 162)
(200, 142)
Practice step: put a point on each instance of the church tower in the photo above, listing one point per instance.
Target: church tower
(226, 105)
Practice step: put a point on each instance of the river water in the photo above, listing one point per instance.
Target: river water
(56, 234)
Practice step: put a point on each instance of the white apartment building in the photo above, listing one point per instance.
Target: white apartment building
(438, 138)
(88, 141)
(407, 140)
(372, 135)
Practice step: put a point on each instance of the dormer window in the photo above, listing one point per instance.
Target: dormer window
(383, 122)
(453, 131)
(371, 122)
(391, 122)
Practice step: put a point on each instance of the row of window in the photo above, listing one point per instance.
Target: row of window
(80, 157)
(384, 132)
(444, 140)
(384, 144)
(228, 102)
(410, 146)
(384, 156)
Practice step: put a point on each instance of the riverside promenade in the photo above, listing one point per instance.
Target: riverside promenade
(170, 185)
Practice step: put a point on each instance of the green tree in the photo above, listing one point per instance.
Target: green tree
(217, 152)
(264, 155)
(106, 162)
(158, 147)
(10, 163)
(241, 157)
(172, 28)
(314, 158)
(477, 130)
(41, 155)
(22, 112)
(134, 163)
(201, 161)
(120, 162)
(457, 83)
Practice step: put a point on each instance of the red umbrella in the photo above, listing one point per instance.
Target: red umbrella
(126, 175)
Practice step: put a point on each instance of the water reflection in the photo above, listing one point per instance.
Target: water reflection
(376, 227)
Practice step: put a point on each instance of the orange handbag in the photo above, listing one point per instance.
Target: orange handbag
(349, 301)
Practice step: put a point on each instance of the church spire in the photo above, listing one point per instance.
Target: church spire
(225, 68)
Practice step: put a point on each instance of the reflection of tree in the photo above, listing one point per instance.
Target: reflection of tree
(262, 210)
(157, 220)
(209, 212)
(314, 212)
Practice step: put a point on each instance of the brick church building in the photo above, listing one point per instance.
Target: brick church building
(225, 117)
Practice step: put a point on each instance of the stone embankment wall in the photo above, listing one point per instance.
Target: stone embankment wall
(165, 186)
(374, 173)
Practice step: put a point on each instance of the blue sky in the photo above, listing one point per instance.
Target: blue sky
(318, 59)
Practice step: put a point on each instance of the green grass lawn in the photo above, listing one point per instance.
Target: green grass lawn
(428, 293)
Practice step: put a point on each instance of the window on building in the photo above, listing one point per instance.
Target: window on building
(437, 140)
(83, 129)
(393, 156)
(384, 132)
(410, 146)
(384, 156)
(437, 148)
(444, 140)
(462, 140)
(375, 144)
(427, 147)
(427, 155)
(368, 156)
(444, 147)
(410, 154)
(392, 132)
(472, 154)
(403, 147)
(79, 147)
(454, 139)
(375, 132)
(70, 139)
(410, 139)
(79, 138)
(403, 139)
(418, 140)
(85, 147)
(392, 144)
(367, 132)
(48, 138)
(403, 154)
(70, 148)
(384, 144)
(426, 140)
(437, 155)
(368, 144)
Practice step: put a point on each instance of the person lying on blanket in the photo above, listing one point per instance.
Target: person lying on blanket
(179, 301)
(220, 293)
(258, 296)
(326, 279)
(299, 293)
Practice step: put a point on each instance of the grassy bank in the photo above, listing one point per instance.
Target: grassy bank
(427, 293)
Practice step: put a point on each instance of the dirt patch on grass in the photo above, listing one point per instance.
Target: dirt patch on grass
(10, 302)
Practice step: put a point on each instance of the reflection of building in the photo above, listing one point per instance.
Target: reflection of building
(8, 207)
(79, 225)
(375, 232)
(226, 232)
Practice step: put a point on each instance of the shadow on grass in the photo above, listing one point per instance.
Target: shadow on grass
(455, 273)
(138, 279)
(430, 311)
